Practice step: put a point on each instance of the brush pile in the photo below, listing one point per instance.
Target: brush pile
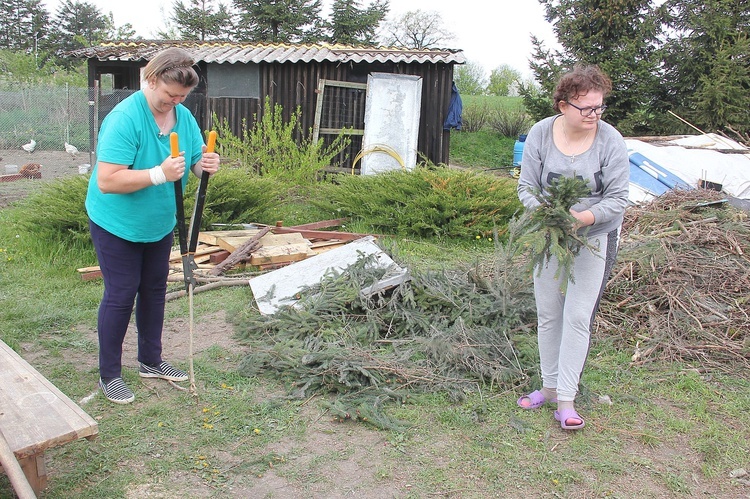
(446, 332)
(680, 292)
(681, 288)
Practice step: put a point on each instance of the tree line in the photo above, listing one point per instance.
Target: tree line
(29, 27)
(677, 65)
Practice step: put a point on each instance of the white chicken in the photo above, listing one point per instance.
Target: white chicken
(29, 148)
(71, 149)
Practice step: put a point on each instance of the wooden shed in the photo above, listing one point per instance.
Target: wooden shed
(328, 83)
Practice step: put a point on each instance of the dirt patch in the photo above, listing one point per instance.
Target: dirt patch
(54, 164)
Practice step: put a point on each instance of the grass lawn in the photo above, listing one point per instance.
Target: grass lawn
(654, 430)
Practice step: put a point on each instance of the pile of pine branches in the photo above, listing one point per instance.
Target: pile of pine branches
(447, 332)
(680, 288)
(678, 292)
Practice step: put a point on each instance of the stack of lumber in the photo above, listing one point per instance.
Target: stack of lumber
(279, 246)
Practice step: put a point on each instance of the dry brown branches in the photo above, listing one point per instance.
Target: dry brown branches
(681, 289)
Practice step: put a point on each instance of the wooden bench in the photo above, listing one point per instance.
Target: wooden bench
(36, 416)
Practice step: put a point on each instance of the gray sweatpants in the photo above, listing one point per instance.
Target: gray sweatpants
(565, 320)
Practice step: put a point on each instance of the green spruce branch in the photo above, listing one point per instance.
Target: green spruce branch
(550, 231)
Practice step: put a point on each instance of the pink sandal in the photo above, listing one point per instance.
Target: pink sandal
(536, 400)
(564, 415)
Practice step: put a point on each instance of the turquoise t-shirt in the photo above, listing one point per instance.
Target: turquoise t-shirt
(129, 136)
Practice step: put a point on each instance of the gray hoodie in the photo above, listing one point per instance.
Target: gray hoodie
(605, 166)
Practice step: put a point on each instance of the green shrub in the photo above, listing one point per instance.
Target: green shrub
(425, 202)
(474, 115)
(510, 122)
(56, 213)
(236, 196)
(57, 216)
(270, 148)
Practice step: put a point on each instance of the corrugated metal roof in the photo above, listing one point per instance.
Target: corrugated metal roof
(236, 52)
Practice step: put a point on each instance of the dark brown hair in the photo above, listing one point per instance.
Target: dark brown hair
(580, 81)
(172, 65)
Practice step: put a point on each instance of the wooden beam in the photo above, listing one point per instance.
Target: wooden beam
(320, 234)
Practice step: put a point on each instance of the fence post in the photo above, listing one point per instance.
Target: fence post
(93, 120)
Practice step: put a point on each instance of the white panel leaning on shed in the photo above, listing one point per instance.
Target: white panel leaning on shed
(392, 113)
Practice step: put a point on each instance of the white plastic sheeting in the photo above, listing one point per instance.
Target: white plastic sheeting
(391, 122)
(730, 170)
(281, 287)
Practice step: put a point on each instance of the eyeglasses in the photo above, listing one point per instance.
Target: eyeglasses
(586, 111)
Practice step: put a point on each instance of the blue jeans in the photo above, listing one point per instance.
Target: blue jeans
(134, 274)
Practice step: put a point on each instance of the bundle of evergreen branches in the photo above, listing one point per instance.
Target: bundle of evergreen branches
(549, 231)
(441, 331)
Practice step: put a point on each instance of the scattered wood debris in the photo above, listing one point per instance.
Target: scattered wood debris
(680, 289)
(262, 247)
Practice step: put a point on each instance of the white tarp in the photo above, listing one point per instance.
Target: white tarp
(731, 171)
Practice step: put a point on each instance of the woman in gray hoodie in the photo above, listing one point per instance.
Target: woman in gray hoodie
(574, 143)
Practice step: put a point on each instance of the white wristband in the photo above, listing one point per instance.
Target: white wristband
(157, 175)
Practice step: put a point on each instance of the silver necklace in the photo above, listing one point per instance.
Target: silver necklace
(583, 143)
(161, 127)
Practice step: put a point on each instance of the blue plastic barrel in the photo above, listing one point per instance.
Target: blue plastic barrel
(518, 150)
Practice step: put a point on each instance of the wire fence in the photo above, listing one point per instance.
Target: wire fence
(51, 116)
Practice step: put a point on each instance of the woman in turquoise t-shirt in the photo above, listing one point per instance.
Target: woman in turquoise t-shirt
(131, 208)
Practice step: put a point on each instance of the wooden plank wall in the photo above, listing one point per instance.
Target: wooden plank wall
(293, 85)
(234, 110)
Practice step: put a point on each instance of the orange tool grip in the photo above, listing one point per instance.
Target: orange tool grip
(211, 141)
(174, 144)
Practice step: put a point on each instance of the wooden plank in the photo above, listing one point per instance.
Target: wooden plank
(328, 246)
(212, 237)
(177, 267)
(338, 131)
(83, 270)
(322, 244)
(320, 234)
(35, 414)
(203, 258)
(282, 239)
(323, 224)
(18, 479)
(282, 253)
(200, 250)
(232, 243)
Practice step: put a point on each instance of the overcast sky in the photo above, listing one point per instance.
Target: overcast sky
(490, 32)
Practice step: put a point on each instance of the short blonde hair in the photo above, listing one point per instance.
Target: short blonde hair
(172, 65)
